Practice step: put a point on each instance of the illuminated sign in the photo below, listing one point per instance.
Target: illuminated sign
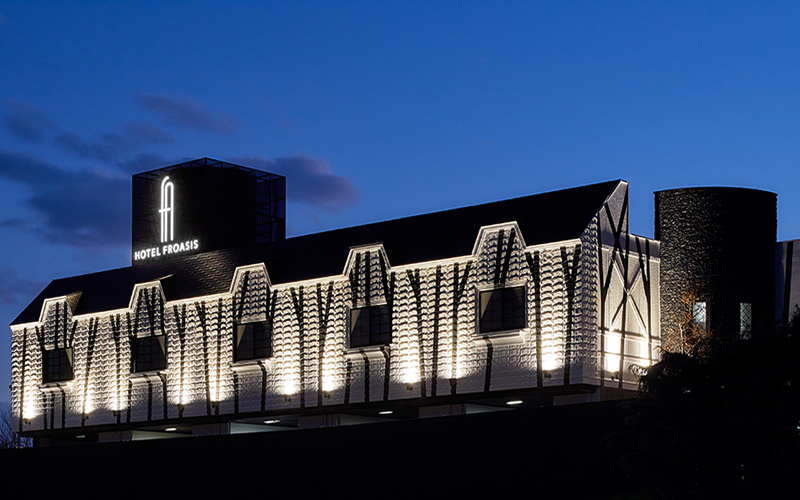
(166, 214)
(169, 249)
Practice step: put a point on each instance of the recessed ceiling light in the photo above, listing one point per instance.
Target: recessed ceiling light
(514, 402)
(385, 412)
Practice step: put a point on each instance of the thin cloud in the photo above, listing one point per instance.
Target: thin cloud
(33, 125)
(309, 181)
(147, 133)
(14, 289)
(146, 161)
(110, 148)
(28, 123)
(79, 208)
(190, 114)
(107, 149)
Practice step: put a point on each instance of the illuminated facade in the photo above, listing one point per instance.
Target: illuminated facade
(540, 300)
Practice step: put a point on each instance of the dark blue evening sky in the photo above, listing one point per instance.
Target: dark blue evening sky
(376, 110)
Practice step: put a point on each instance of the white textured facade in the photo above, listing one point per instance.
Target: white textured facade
(591, 322)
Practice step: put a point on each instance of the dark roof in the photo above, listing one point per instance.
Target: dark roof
(542, 218)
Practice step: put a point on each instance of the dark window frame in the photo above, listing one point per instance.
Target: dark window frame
(502, 309)
(57, 365)
(370, 326)
(252, 340)
(146, 359)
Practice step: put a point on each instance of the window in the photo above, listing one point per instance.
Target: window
(699, 314)
(745, 320)
(57, 365)
(252, 341)
(149, 353)
(502, 309)
(370, 326)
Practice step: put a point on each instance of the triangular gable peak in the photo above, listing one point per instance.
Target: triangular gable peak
(250, 288)
(612, 216)
(56, 320)
(369, 272)
(148, 306)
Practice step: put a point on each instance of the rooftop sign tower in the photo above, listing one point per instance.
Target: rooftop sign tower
(204, 205)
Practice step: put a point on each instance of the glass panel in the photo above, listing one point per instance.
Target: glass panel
(370, 326)
(252, 341)
(502, 309)
(699, 314)
(745, 320)
(149, 353)
(57, 365)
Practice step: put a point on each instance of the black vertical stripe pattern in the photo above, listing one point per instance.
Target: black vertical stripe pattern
(263, 385)
(324, 308)
(93, 324)
(507, 258)
(348, 376)
(570, 275)
(625, 298)
(366, 376)
(414, 279)
(435, 367)
(354, 272)
(63, 407)
(297, 301)
(130, 397)
(487, 381)
(386, 373)
(218, 366)
(534, 263)
(180, 326)
(240, 306)
(458, 292)
(22, 376)
(164, 399)
(235, 393)
(149, 400)
(787, 285)
(644, 265)
(201, 314)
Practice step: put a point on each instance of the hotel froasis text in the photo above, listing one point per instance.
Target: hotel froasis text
(169, 249)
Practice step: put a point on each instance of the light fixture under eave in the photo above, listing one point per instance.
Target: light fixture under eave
(385, 412)
(273, 421)
(514, 402)
(171, 429)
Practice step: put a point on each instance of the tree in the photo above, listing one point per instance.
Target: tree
(720, 425)
(687, 331)
(9, 438)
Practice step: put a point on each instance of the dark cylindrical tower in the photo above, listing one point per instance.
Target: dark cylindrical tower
(717, 258)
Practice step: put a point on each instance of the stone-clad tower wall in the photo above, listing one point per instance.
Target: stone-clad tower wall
(718, 244)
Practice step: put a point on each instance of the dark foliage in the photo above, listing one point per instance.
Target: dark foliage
(721, 426)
